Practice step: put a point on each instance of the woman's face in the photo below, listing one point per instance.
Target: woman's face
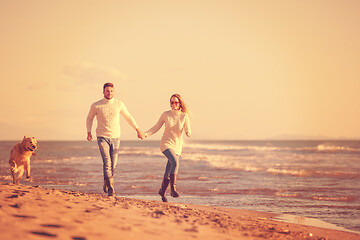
(175, 103)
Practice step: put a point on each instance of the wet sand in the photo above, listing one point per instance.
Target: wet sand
(34, 212)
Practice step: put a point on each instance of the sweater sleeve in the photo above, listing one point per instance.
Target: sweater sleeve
(90, 118)
(125, 113)
(157, 126)
(187, 126)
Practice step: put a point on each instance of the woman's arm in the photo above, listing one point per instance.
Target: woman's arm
(187, 126)
(156, 127)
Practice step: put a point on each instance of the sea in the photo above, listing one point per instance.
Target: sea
(306, 182)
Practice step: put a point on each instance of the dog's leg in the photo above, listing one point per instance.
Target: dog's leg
(21, 172)
(27, 170)
(13, 174)
(13, 170)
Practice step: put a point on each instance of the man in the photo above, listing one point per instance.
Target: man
(107, 112)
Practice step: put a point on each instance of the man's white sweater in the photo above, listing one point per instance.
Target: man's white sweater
(107, 113)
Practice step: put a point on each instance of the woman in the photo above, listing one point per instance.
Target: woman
(176, 123)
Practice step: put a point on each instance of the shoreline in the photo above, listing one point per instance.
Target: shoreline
(282, 217)
(34, 212)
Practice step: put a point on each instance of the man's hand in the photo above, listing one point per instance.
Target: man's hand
(89, 136)
(140, 134)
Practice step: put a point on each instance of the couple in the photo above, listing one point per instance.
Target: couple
(107, 112)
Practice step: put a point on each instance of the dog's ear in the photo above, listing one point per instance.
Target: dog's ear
(25, 136)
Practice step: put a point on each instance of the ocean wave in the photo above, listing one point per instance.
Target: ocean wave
(6, 178)
(140, 151)
(280, 194)
(221, 147)
(149, 177)
(287, 194)
(63, 159)
(290, 172)
(205, 178)
(326, 148)
(222, 161)
(258, 165)
(311, 173)
(269, 147)
(335, 199)
(252, 191)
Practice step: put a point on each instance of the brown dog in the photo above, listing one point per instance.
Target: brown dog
(20, 158)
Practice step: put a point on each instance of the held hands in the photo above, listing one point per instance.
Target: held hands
(140, 134)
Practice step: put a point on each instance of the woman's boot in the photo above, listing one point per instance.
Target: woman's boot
(109, 182)
(173, 185)
(105, 187)
(162, 191)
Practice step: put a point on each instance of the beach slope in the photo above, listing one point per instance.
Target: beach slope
(34, 212)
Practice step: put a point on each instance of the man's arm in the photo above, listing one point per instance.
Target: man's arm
(131, 121)
(89, 136)
(89, 122)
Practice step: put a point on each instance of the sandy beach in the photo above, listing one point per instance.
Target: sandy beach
(34, 212)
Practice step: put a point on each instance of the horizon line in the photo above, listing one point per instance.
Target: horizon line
(205, 140)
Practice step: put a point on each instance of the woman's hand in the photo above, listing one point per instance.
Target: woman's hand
(188, 134)
(140, 134)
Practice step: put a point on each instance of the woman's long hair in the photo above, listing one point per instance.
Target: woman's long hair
(183, 106)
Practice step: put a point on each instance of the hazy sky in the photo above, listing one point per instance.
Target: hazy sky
(247, 69)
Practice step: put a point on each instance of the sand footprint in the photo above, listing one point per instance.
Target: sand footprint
(16, 205)
(45, 234)
(13, 196)
(21, 191)
(78, 238)
(23, 216)
(52, 225)
(18, 193)
(193, 229)
(157, 214)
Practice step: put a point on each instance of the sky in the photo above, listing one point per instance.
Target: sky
(248, 70)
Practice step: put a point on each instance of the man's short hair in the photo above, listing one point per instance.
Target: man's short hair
(108, 85)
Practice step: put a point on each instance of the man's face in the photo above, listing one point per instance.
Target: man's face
(108, 93)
